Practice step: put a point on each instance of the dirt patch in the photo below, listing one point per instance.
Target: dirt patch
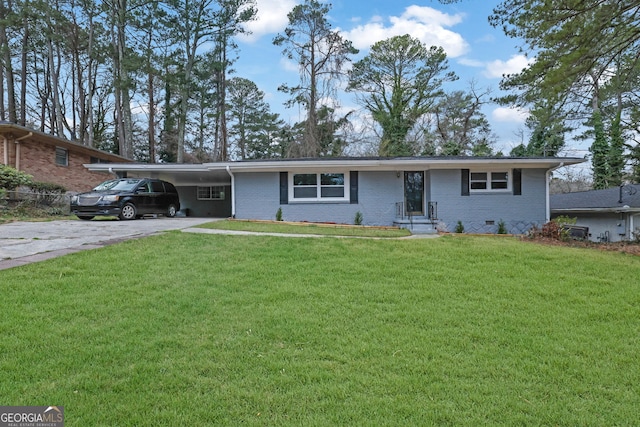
(625, 247)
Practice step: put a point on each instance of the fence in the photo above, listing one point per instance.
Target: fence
(34, 199)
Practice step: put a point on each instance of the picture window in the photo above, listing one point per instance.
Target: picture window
(319, 187)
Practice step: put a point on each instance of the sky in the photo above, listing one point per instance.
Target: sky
(476, 51)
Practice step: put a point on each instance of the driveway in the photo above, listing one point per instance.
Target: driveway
(24, 242)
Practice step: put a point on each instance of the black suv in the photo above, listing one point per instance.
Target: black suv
(127, 198)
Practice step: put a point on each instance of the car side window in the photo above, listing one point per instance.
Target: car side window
(144, 188)
(156, 187)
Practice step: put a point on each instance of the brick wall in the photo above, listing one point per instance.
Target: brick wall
(39, 160)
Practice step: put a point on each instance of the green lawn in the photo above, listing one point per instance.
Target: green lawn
(191, 329)
(307, 228)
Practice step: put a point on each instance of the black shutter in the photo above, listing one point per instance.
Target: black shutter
(464, 189)
(517, 182)
(353, 190)
(284, 188)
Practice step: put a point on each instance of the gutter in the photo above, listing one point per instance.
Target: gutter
(597, 210)
(233, 192)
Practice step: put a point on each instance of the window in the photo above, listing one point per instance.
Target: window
(215, 192)
(319, 187)
(62, 157)
(489, 181)
(157, 187)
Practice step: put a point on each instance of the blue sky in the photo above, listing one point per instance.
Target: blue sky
(476, 51)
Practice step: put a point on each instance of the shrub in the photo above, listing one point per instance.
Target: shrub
(459, 227)
(279, 214)
(554, 229)
(502, 227)
(564, 220)
(358, 219)
(11, 178)
(47, 193)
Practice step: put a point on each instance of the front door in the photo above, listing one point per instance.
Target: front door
(414, 193)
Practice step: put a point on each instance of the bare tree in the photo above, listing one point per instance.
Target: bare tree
(321, 54)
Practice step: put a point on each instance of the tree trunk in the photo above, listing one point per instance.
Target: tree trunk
(23, 73)
(152, 118)
(8, 67)
(224, 143)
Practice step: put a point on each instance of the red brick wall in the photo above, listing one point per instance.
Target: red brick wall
(39, 160)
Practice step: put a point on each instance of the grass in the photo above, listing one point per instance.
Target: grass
(307, 228)
(190, 329)
(28, 212)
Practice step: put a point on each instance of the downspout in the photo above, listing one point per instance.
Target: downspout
(233, 192)
(17, 142)
(6, 151)
(548, 218)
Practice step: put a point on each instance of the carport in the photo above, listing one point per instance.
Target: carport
(204, 191)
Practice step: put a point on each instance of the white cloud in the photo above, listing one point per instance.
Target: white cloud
(510, 115)
(271, 18)
(471, 62)
(515, 64)
(421, 22)
(289, 65)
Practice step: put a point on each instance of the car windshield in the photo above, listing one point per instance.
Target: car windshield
(118, 184)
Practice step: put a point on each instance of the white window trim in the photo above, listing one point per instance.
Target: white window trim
(319, 199)
(509, 173)
(210, 187)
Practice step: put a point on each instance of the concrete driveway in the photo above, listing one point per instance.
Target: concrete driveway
(24, 242)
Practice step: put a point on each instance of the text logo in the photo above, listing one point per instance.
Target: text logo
(31, 416)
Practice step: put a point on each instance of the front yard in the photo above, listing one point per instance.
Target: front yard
(190, 329)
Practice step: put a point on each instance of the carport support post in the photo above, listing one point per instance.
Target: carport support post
(233, 192)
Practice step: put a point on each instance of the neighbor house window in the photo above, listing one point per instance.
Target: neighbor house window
(489, 181)
(215, 192)
(62, 157)
(319, 187)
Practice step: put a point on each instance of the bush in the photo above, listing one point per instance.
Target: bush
(279, 214)
(564, 220)
(11, 178)
(47, 193)
(459, 227)
(358, 219)
(554, 229)
(502, 227)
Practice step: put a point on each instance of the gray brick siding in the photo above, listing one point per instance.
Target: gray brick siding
(258, 197)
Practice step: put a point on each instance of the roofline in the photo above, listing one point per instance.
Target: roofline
(425, 163)
(147, 167)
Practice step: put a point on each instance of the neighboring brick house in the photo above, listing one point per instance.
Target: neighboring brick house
(52, 159)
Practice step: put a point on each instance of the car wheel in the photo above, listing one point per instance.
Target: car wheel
(128, 211)
(171, 211)
(85, 217)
